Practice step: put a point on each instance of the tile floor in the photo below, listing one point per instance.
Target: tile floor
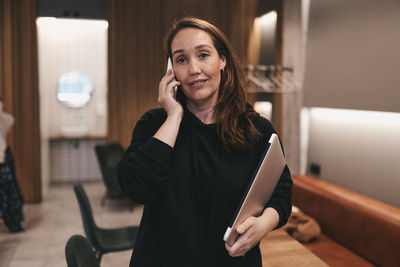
(48, 226)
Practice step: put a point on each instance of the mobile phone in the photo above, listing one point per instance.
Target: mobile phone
(169, 67)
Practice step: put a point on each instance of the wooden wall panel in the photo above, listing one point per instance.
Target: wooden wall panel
(277, 109)
(19, 90)
(137, 58)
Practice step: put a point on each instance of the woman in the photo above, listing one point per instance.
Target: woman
(191, 161)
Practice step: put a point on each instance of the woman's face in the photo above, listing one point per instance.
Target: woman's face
(197, 65)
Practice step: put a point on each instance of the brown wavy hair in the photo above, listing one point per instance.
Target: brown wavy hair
(234, 126)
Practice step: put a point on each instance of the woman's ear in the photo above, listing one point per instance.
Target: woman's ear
(222, 62)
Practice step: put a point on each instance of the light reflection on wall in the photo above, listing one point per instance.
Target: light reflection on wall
(59, 26)
(262, 40)
(357, 149)
(358, 116)
(264, 108)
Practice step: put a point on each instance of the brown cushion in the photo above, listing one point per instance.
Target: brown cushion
(335, 254)
(369, 227)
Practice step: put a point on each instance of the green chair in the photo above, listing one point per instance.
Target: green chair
(108, 156)
(79, 253)
(103, 240)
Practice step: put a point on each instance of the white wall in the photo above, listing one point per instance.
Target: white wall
(65, 45)
(359, 150)
(353, 55)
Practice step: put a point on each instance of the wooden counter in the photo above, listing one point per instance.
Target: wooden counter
(280, 249)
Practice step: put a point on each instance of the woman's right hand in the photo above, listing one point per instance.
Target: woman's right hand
(169, 129)
(166, 95)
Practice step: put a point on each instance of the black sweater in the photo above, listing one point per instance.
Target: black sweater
(191, 192)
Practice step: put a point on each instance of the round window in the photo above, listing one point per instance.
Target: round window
(74, 89)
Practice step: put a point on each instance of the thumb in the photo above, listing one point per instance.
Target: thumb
(244, 226)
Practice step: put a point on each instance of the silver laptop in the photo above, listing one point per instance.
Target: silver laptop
(262, 186)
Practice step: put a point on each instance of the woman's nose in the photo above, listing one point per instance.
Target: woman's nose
(194, 67)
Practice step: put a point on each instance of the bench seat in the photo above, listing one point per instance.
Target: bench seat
(362, 225)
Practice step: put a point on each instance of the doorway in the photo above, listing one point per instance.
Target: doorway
(72, 57)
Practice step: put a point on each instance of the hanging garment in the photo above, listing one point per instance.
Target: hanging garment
(10, 195)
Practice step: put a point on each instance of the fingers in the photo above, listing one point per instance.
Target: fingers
(237, 250)
(246, 240)
(166, 94)
(169, 75)
(242, 228)
(166, 85)
(166, 80)
(252, 231)
(241, 246)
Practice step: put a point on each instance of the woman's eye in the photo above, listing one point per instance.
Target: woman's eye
(180, 60)
(203, 55)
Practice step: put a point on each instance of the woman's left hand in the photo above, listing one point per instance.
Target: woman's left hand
(252, 231)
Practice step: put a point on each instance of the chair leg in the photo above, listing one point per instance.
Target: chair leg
(98, 256)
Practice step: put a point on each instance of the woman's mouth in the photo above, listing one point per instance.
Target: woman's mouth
(198, 82)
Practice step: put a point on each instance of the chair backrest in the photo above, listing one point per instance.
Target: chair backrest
(108, 156)
(79, 253)
(89, 224)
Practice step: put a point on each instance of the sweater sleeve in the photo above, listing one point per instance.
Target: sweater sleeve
(144, 170)
(281, 199)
